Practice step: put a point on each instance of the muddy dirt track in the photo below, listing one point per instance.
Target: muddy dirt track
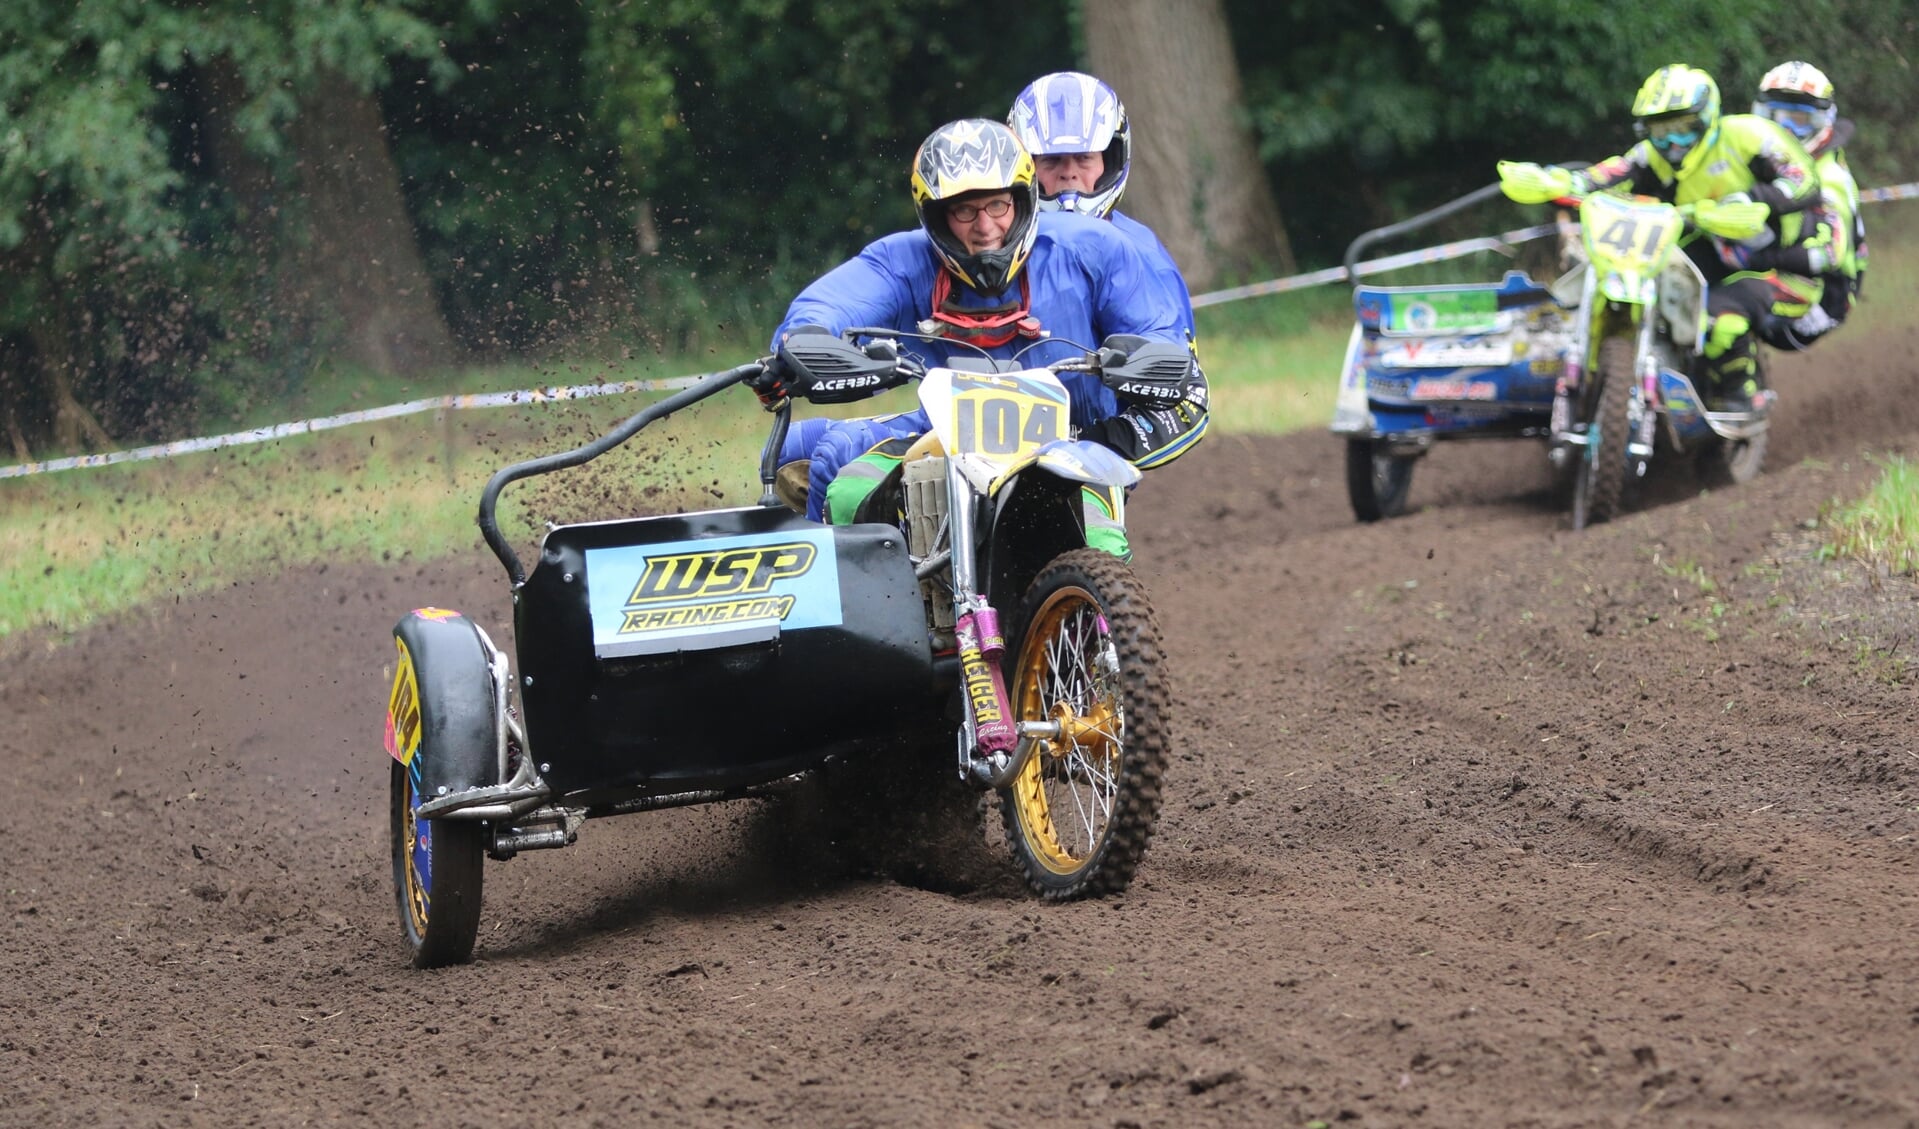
(1476, 822)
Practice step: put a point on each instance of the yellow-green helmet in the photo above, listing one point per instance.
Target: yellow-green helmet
(1677, 109)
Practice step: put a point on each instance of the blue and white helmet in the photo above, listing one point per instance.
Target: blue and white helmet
(1070, 112)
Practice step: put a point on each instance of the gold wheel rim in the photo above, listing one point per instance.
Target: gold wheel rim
(418, 897)
(1068, 673)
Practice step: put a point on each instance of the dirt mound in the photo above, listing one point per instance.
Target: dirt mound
(1477, 821)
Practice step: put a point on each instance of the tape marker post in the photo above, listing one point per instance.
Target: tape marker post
(1441, 253)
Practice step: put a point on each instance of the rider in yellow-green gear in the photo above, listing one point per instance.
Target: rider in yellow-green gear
(1799, 97)
(1749, 184)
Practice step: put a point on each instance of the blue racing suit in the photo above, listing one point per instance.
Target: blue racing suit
(1086, 282)
(1164, 434)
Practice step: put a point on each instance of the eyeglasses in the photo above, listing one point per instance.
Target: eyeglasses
(967, 213)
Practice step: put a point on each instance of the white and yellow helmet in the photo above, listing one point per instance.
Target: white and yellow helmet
(976, 155)
(1798, 96)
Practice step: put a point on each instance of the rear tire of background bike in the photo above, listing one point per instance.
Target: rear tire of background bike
(437, 875)
(1732, 462)
(1079, 817)
(1607, 435)
(1377, 480)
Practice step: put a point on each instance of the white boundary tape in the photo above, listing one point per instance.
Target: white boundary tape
(327, 423)
(1377, 266)
(1437, 254)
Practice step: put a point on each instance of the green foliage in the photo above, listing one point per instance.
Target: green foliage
(115, 253)
(618, 179)
(1370, 113)
(665, 175)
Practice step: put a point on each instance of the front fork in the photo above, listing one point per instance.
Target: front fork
(993, 746)
(1569, 390)
(1646, 404)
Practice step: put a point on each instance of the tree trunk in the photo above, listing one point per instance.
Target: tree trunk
(1197, 180)
(362, 257)
(338, 256)
(58, 338)
(13, 394)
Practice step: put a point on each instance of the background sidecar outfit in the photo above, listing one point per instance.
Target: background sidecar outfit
(1750, 184)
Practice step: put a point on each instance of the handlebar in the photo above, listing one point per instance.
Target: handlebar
(489, 497)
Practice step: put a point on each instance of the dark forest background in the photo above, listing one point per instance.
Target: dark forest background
(205, 205)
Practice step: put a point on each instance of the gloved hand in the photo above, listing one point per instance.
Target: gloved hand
(1527, 183)
(781, 380)
(1730, 219)
(771, 385)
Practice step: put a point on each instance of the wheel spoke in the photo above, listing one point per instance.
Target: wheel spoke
(1078, 814)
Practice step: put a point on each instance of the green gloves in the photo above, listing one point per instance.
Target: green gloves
(1528, 183)
(1729, 218)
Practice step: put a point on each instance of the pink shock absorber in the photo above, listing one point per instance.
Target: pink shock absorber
(980, 646)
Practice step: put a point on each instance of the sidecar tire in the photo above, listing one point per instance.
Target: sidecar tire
(1377, 481)
(1732, 462)
(439, 909)
(1078, 819)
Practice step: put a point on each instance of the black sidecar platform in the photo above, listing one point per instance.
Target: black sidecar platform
(717, 650)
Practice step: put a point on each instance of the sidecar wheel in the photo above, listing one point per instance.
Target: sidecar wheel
(1377, 480)
(1732, 462)
(437, 874)
(1080, 814)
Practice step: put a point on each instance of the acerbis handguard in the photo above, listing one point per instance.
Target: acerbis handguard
(819, 365)
(1150, 373)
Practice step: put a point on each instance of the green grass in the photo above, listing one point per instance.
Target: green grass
(1881, 528)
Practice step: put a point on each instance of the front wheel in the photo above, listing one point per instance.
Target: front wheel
(1080, 813)
(1599, 489)
(1377, 480)
(436, 875)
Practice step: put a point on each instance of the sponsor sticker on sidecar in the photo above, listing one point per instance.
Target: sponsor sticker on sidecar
(1444, 311)
(1464, 353)
(713, 592)
(403, 710)
(1435, 388)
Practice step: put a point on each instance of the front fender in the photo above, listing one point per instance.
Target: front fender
(1082, 460)
(444, 720)
(1034, 517)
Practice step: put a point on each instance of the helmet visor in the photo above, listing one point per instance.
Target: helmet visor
(1679, 131)
(1801, 119)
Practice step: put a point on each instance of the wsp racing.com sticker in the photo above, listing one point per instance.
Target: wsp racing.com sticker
(648, 599)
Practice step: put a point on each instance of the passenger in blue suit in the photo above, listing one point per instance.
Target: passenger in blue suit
(986, 268)
(1076, 128)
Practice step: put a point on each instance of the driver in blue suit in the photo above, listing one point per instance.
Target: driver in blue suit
(986, 270)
